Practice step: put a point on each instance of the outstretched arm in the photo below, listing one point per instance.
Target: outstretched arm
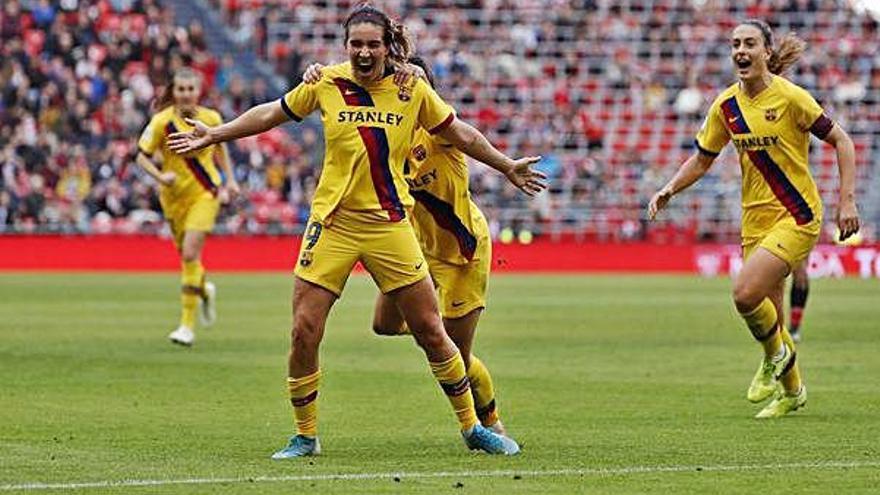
(847, 211)
(475, 145)
(690, 171)
(257, 119)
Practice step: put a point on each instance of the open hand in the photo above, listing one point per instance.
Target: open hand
(658, 202)
(194, 140)
(525, 178)
(312, 75)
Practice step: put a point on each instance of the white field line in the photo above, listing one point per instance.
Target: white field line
(621, 471)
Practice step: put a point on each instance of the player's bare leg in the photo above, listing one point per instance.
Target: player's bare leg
(311, 306)
(387, 318)
(193, 286)
(418, 305)
(461, 331)
(758, 297)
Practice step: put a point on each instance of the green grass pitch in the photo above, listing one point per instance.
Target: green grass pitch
(612, 384)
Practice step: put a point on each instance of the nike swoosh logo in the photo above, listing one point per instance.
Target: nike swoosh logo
(456, 304)
(419, 265)
(780, 246)
(732, 120)
(349, 92)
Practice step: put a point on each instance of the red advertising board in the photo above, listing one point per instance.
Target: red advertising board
(265, 253)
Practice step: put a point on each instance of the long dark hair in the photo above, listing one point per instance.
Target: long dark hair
(166, 95)
(787, 54)
(394, 34)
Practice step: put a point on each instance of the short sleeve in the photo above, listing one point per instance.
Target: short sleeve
(810, 115)
(151, 137)
(713, 135)
(215, 119)
(434, 113)
(300, 101)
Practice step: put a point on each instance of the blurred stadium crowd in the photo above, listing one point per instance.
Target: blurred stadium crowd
(609, 93)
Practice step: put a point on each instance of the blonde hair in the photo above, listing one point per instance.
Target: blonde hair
(787, 54)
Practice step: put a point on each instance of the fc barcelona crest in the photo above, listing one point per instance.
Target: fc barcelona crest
(770, 114)
(420, 153)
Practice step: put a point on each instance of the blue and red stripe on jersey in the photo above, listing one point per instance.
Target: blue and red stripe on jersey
(376, 142)
(194, 166)
(354, 95)
(733, 117)
(782, 188)
(444, 214)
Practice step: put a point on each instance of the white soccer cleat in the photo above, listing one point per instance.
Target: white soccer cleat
(183, 336)
(208, 314)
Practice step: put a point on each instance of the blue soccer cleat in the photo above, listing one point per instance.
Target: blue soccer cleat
(299, 446)
(481, 438)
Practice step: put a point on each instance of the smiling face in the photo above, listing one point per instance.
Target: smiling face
(366, 51)
(749, 53)
(186, 94)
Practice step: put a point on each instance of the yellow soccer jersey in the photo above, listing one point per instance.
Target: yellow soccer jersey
(447, 222)
(368, 134)
(196, 172)
(771, 133)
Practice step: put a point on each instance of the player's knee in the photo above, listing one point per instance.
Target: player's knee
(306, 332)
(746, 298)
(189, 253)
(430, 336)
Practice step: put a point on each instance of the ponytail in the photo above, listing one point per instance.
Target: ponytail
(790, 48)
(789, 52)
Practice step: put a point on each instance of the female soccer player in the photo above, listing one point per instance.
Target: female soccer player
(769, 120)
(359, 210)
(190, 188)
(454, 237)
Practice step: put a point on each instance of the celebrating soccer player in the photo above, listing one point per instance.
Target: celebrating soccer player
(769, 119)
(190, 186)
(360, 210)
(454, 236)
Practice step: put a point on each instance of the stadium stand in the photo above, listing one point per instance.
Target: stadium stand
(607, 92)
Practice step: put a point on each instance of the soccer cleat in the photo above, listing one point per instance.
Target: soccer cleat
(208, 314)
(481, 438)
(783, 404)
(498, 428)
(183, 336)
(299, 446)
(764, 382)
(795, 335)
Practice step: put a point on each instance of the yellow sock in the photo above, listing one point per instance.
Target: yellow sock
(762, 324)
(454, 381)
(191, 283)
(791, 377)
(303, 396)
(483, 391)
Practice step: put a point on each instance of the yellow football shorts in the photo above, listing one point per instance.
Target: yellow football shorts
(462, 288)
(389, 251)
(197, 213)
(787, 240)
